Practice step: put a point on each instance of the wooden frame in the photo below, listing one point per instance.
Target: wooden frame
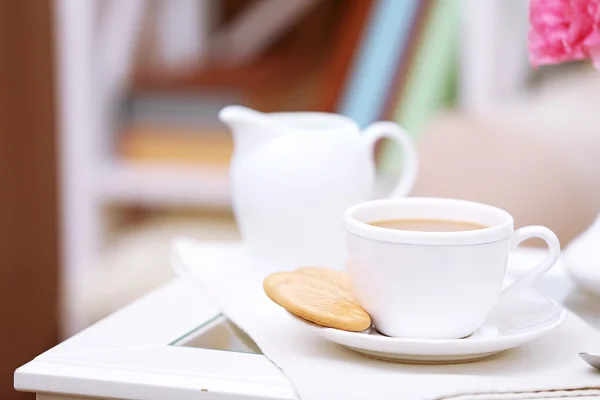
(129, 355)
(29, 273)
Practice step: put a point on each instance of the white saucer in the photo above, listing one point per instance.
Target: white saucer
(509, 325)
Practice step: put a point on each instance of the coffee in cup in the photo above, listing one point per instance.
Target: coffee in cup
(428, 225)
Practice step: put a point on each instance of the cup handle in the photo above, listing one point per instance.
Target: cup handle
(387, 129)
(553, 243)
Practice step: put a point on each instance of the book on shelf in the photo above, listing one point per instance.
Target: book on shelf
(400, 78)
(177, 107)
(344, 49)
(175, 145)
(381, 50)
(432, 75)
(175, 128)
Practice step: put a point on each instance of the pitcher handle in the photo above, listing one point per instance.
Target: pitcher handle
(409, 160)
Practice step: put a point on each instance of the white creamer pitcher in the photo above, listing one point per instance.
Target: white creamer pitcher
(294, 174)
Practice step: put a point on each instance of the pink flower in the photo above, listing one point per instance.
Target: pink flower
(564, 30)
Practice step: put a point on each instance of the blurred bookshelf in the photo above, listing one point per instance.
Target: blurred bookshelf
(169, 147)
(147, 134)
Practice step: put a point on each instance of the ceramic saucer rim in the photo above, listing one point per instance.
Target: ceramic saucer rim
(558, 320)
(435, 342)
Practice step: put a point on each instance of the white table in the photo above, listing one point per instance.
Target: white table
(171, 344)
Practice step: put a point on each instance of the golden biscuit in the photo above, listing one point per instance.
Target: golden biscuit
(336, 278)
(316, 301)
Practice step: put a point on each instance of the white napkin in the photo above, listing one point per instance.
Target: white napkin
(548, 367)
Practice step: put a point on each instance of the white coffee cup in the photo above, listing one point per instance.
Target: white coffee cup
(435, 285)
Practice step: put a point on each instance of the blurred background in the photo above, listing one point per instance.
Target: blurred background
(110, 143)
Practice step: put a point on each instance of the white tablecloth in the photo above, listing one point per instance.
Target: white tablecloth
(548, 367)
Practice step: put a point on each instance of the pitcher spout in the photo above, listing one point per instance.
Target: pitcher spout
(232, 115)
(250, 128)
